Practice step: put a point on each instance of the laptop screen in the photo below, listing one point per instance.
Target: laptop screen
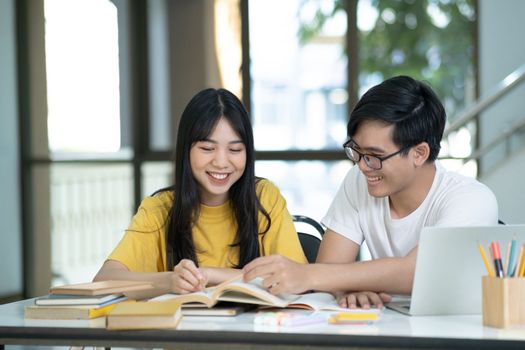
(449, 267)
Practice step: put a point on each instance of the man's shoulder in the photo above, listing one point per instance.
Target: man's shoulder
(453, 181)
(459, 190)
(460, 200)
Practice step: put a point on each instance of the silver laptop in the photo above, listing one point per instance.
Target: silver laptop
(449, 268)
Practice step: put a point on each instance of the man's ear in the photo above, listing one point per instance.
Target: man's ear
(421, 153)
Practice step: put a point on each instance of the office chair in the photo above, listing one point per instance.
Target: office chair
(310, 242)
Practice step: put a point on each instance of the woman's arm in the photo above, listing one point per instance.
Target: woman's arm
(185, 278)
(217, 275)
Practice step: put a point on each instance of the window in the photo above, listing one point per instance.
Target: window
(430, 40)
(298, 86)
(299, 68)
(299, 97)
(90, 204)
(82, 63)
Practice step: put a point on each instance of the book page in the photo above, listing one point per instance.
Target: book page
(234, 290)
(317, 301)
(252, 292)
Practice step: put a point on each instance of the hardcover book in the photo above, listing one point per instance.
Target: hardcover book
(223, 308)
(145, 315)
(101, 287)
(68, 299)
(66, 312)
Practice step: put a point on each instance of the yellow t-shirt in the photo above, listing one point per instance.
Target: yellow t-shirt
(143, 247)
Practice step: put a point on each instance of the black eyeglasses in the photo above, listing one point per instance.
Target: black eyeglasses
(373, 162)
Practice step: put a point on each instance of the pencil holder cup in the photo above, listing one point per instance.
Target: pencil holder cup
(503, 301)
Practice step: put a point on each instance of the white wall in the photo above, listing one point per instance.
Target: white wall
(10, 235)
(501, 51)
(507, 182)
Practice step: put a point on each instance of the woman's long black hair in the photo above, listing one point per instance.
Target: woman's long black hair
(198, 120)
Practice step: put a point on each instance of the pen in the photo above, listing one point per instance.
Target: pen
(489, 249)
(510, 265)
(516, 269)
(485, 260)
(522, 263)
(497, 259)
(506, 270)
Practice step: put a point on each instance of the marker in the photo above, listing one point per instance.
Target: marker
(353, 317)
(497, 259)
(485, 260)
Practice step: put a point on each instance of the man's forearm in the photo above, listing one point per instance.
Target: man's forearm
(390, 275)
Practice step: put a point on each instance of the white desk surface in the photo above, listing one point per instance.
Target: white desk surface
(391, 324)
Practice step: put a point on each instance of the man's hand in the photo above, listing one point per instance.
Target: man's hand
(187, 278)
(280, 274)
(363, 299)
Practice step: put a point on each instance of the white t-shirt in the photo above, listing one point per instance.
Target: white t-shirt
(453, 200)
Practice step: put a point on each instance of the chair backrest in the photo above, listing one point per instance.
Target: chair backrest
(309, 242)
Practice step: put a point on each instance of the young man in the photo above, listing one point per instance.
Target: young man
(396, 189)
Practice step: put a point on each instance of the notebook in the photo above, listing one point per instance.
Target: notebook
(449, 267)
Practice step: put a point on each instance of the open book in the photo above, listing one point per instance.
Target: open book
(235, 290)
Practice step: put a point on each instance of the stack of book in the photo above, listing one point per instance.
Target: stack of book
(82, 301)
(145, 315)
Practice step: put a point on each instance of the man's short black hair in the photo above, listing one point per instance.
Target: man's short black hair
(410, 105)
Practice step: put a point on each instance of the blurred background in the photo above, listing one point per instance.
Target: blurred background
(91, 92)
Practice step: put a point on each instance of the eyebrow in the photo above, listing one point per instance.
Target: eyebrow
(369, 149)
(216, 142)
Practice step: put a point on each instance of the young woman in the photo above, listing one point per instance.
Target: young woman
(216, 218)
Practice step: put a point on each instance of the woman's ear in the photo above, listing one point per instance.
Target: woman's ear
(421, 153)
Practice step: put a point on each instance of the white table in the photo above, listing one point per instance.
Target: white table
(393, 330)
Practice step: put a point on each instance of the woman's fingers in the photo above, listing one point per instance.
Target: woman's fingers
(188, 277)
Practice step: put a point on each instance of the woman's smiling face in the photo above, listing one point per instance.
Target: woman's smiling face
(217, 163)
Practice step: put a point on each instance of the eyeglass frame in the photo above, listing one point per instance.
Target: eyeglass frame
(348, 149)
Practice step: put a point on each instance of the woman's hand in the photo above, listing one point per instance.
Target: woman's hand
(187, 278)
(363, 299)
